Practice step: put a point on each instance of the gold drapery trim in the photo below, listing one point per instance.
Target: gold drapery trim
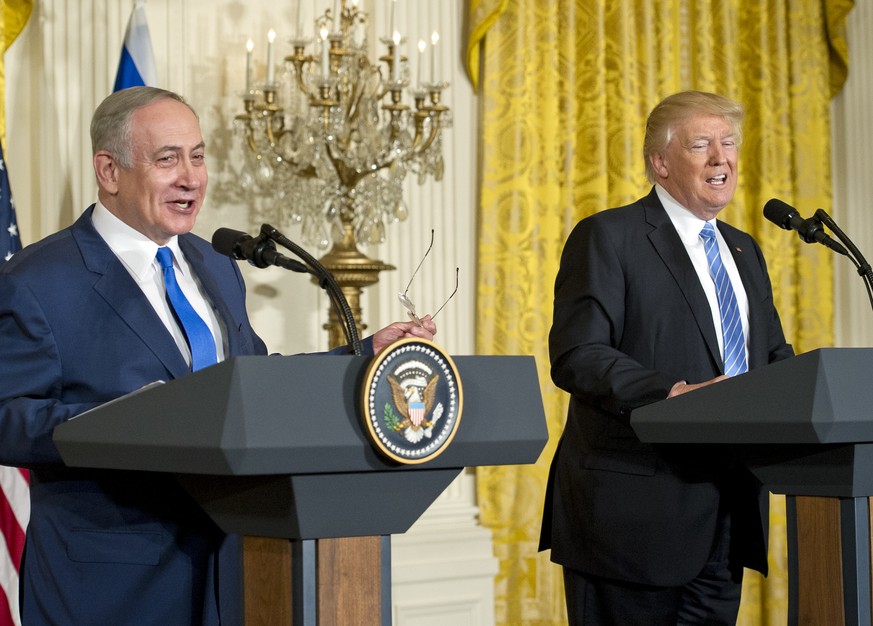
(13, 18)
(836, 12)
(482, 15)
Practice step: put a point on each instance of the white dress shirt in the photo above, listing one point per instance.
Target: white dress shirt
(689, 226)
(137, 254)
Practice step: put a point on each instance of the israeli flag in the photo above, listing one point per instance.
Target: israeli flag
(137, 65)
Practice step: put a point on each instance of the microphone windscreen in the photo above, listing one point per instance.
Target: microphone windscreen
(224, 240)
(778, 212)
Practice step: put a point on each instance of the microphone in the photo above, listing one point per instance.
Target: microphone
(809, 230)
(260, 251)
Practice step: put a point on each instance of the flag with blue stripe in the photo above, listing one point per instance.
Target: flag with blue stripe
(10, 242)
(136, 67)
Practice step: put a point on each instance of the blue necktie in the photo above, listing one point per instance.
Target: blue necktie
(731, 324)
(196, 331)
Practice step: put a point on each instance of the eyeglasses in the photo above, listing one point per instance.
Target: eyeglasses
(404, 295)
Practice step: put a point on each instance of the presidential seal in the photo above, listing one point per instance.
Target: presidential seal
(412, 401)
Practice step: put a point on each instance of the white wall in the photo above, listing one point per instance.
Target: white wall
(852, 139)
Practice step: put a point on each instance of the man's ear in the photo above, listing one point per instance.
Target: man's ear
(106, 169)
(659, 164)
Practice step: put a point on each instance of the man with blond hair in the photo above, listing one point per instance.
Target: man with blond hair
(652, 300)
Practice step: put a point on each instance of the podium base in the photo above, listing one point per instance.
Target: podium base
(317, 582)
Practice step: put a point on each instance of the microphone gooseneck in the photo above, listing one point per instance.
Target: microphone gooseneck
(863, 267)
(811, 231)
(261, 252)
(327, 281)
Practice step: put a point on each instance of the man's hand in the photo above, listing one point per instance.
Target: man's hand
(683, 387)
(400, 330)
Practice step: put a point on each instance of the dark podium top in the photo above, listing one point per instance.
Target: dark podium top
(804, 425)
(275, 446)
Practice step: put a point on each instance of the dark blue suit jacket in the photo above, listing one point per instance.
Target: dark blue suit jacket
(103, 547)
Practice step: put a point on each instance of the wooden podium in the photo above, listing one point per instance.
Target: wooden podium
(804, 427)
(274, 448)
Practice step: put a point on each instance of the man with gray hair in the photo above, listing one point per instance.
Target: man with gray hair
(652, 300)
(125, 296)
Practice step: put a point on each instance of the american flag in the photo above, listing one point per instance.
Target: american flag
(14, 483)
(14, 486)
(14, 515)
(10, 243)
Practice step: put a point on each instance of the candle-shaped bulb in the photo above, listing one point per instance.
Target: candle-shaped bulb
(325, 62)
(298, 23)
(271, 69)
(434, 65)
(250, 45)
(421, 47)
(395, 62)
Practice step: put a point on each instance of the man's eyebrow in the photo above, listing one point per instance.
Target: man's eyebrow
(710, 137)
(172, 148)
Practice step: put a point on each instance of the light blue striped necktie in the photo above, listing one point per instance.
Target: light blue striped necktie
(196, 331)
(731, 323)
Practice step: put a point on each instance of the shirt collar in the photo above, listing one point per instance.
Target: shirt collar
(135, 250)
(686, 223)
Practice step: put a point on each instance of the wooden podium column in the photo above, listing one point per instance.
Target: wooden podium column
(350, 582)
(348, 590)
(829, 541)
(266, 581)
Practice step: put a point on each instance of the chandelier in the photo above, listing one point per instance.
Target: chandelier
(331, 142)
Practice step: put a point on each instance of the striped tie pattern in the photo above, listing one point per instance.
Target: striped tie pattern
(196, 331)
(731, 324)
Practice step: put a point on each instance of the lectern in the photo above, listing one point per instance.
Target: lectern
(274, 447)
(804, 427)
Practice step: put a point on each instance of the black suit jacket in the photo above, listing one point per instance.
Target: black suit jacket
(630, 320)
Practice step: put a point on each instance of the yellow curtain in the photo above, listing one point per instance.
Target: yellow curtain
(565, 87)
(13, 16)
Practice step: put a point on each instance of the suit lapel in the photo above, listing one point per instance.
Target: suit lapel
(115, 285)
(672, 251)
(213, 292)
